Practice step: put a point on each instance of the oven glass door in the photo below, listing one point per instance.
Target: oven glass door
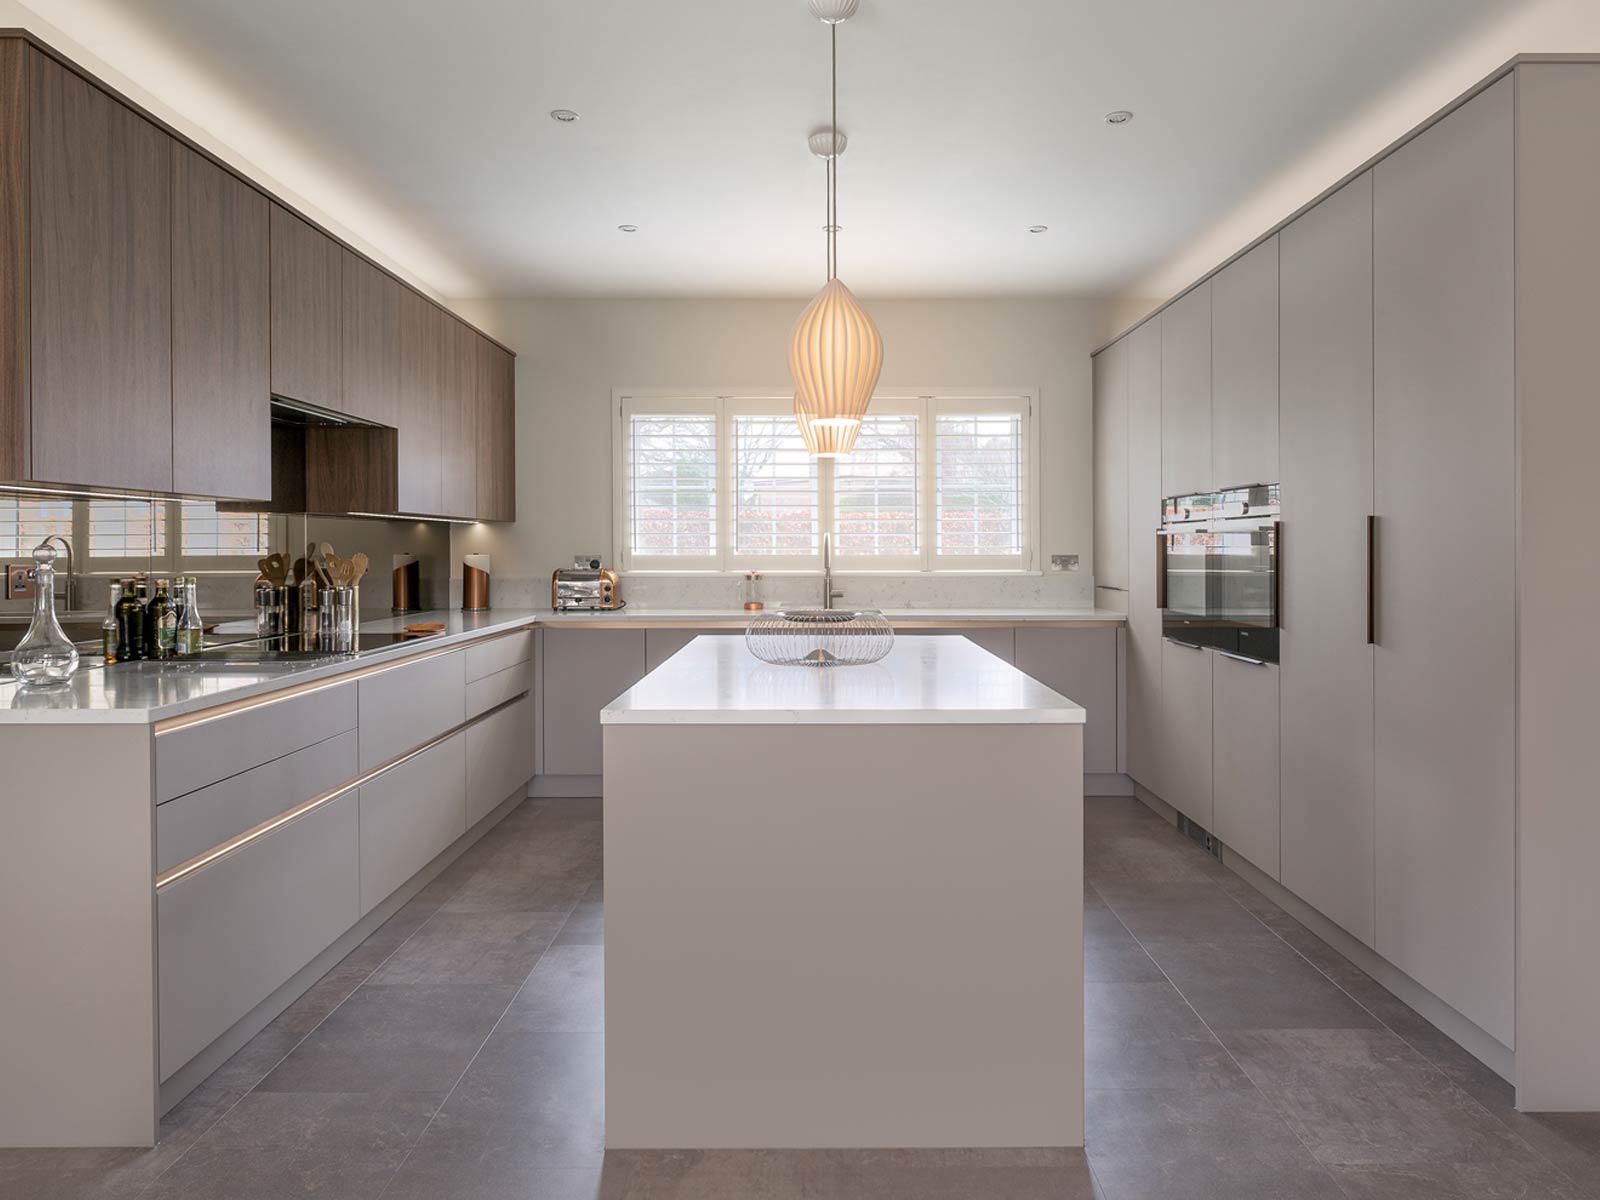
(1187, 615)
(1242, 580)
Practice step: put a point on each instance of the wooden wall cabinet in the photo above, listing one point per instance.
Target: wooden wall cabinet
(221, 361)
(458, 392)
(372, 332)
(14, 382)
(307, 312)
(497, 435)
(100, 278)
(421, 415)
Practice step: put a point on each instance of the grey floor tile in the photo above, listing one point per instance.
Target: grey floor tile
(1454, 1183)
(1250, 984)
(274, 1145)
(1223, 1144)
(394, 1038)
(589, 915)
(493, 1179)
(564, 994)
(1181, 910)
(511, 887)
(1362, 1097)
(1145, 1035)
(464, 948)
(1117, 958)
(530, 1101)
(1131, 853)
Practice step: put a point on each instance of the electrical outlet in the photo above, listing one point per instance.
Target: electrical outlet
(19, 581)
(1063, 562)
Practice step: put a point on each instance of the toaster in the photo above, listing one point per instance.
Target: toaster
(596, 588)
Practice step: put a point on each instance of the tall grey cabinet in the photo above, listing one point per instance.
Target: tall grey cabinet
(1326, 702)
(1111, 476)
(1143, 671)
(1445, 495)
(1244, 369)
(1186, 394)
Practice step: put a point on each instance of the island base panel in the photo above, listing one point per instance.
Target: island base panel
(844, 936)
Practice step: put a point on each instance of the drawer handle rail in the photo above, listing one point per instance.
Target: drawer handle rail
(293, 691)
(250, 836)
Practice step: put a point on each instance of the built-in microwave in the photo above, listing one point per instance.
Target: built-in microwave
(1217, 570)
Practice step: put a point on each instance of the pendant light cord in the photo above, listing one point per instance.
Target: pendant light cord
(833, 157)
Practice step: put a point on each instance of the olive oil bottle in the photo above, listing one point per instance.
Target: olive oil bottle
(109, 636)
(130, 624)
(191, 630)
(161, 623)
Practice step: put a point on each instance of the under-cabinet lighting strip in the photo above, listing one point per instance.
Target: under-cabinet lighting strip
(250, 836)
(234, 707)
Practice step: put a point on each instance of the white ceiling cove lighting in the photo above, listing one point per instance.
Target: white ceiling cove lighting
(835, 350)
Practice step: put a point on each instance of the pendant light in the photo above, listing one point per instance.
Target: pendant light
(835, 351)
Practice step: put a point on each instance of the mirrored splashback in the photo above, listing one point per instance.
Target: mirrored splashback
(111, 538)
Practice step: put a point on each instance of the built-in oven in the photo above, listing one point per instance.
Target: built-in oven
(1217, 570)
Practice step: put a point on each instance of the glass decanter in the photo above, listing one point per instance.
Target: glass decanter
(44, 656)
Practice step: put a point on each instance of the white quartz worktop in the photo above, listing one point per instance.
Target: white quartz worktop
(924, 680)
(146, 692)
(903, 618)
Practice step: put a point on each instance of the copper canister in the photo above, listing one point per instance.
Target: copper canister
(407, 583)
(474, 582)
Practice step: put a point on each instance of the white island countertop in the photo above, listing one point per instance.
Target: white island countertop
(924, 680)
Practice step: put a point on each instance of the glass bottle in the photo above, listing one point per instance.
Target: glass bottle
(109, 636)
(161, 623)
(191, 630)
(146, 634)
(130, 624)
(44, 656)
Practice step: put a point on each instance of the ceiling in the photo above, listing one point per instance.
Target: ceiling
(968, 122)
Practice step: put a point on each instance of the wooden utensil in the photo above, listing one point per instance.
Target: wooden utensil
(358, 565)
(276, 568)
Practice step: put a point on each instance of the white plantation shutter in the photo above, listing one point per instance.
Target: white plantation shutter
(980, 516)
(25, 522)
(207, 533)
(776, 499)
(127, 530)
(671, 488)
(876, 500)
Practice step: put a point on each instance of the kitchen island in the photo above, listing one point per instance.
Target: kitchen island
(843, 905)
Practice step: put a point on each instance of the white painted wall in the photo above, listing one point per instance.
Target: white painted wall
(1533, 27)
(572, 353)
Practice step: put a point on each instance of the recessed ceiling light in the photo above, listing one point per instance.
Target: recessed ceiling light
(628, 228)
(566, 116)
(1120, 117)
(1038, 228)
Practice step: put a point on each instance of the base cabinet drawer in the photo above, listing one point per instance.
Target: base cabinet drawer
(410, 814)
(497, 654)
(499, 758)
(484, 694)
(231, 933)
(195, 756)
(1244, 770)
(408, 705)
(194, 823)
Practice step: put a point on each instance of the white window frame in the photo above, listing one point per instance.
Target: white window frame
(926, 403)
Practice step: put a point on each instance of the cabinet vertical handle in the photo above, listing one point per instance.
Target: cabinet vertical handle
(1277, 574)
(1161, 570)
(1372, 579)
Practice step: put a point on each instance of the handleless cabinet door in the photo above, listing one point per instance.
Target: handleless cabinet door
(1186, 394)
(1244, 771)
(1186, 726)
(101, 275)
(1244, 369)
(14, 451)
(221, 359)
(459, 370)
(499, 758)
(1325, 664)
(421, 425)
(1111, 466)
(409, 815)
(403, 707)
(1144, 515)
(1081, 664)
(584, 670)
(372, 324)
(1445, 489)
(307, 312)
(497, 434)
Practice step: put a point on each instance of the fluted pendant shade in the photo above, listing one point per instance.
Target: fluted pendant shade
(835, 356)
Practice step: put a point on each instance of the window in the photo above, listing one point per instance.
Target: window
(672, 487)
(207, 533)
(941, 483)
(775, 489)
(127, 529)
(25, 522)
